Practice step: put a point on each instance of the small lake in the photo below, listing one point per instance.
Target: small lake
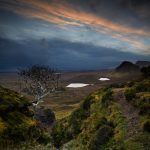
(77, 85)
(104, 79)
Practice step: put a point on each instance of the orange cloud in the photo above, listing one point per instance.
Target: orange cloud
(134, 42)
(63, 13)
(65, 10)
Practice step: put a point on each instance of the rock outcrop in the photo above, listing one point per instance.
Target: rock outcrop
(45, 116)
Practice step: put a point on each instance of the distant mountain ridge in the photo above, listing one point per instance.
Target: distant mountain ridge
(142, 64)
(127, 66)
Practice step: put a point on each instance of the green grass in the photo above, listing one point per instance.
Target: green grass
(130, 94)
(98, 117)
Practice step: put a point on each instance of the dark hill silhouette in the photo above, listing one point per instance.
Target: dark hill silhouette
(127, 66)
(142, 64)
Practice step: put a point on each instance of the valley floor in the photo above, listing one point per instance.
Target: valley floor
(63, 103)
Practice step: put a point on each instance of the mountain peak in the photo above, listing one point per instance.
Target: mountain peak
(127, 66)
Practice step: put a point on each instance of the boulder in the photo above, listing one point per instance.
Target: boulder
(45, 116)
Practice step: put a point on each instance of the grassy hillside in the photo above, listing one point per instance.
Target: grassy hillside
(18, 129)
(114, 118)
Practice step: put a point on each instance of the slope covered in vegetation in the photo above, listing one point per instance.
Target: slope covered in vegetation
(114, 118)
(18, 129)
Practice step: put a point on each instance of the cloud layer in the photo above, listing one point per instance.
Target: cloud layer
(64, 55)
(116, 27)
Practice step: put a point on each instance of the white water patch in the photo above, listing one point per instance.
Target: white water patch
(77, 85)
(104, 79)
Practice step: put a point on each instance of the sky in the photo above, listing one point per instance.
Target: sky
(73, 34)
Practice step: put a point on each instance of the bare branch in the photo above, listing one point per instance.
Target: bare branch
(39, 81)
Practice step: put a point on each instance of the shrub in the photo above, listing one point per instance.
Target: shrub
(130, 94)
(62, 132)
(138, 142)
(79, 115)
(2, 126)
(133, 145)
(100, 138)
(130, 84)
(146, 125)
(87, 102)
(76, 119)
(142, 87)
(145, 109)
(60, 135)
(117, 85)
(146, 71)
(100, 122)
(107, 97)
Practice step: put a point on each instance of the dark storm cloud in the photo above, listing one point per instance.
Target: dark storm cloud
(60, 54)
(141, 7)
(131, 12)
(14, 55)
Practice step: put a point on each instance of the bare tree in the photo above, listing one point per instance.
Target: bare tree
(39, 81)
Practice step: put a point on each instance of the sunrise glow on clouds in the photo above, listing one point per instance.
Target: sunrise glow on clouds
(80, 22)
